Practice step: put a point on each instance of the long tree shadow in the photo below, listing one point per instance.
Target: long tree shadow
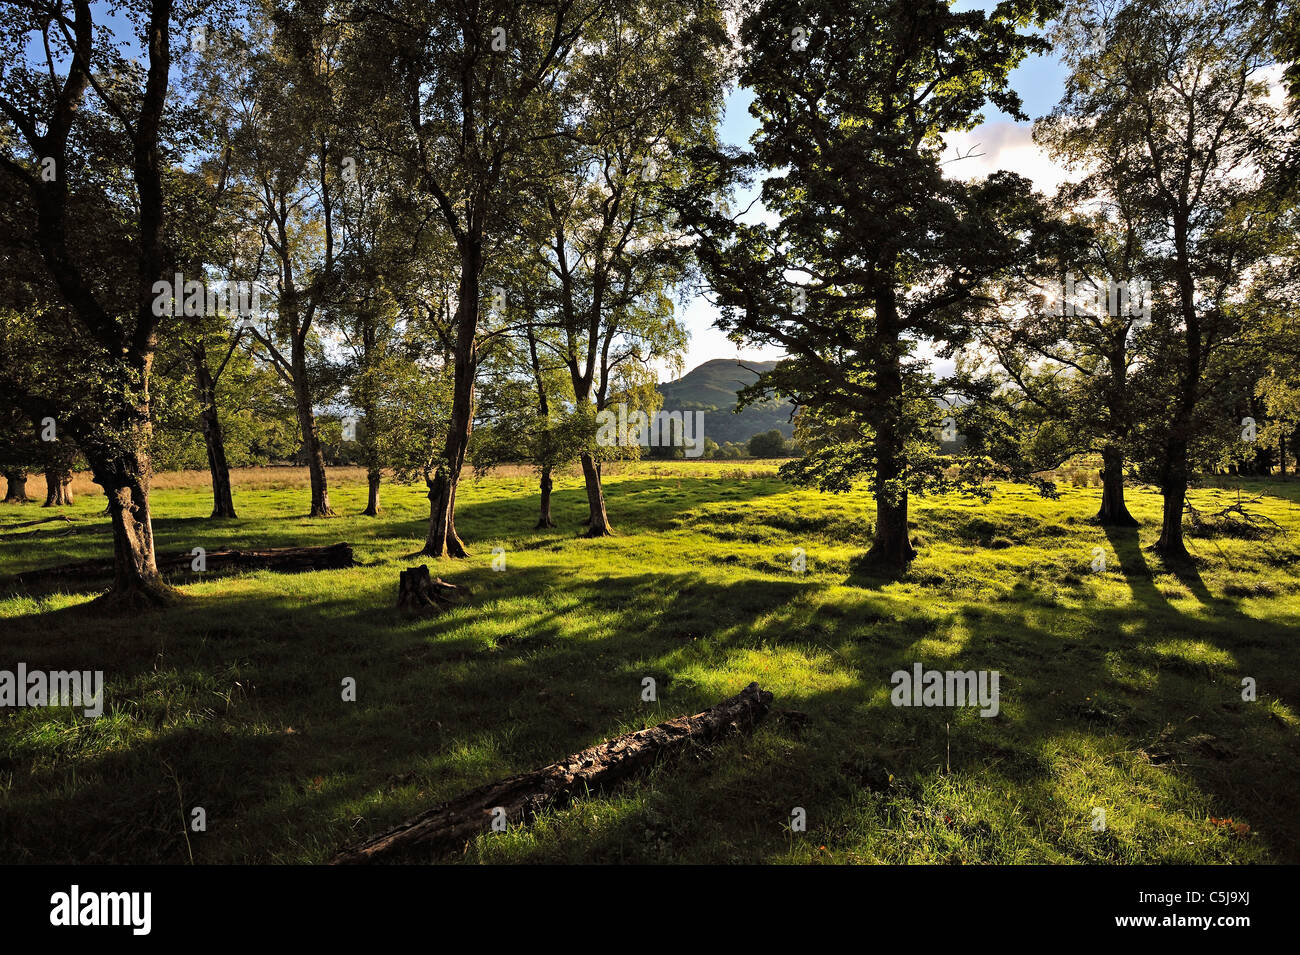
(466, 708)
(236, 704)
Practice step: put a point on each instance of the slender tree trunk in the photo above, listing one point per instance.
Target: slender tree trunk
(1114, 512)
(214, 439)
(16, 487)
(442, 540)
(1281, 456)
(372, 494)
(320, 495)
(368, 439)
(1262, 465)
(891, 545)
(597, 518)
(544, 519)
(1174, 471)
(58, 487)
(544, 413)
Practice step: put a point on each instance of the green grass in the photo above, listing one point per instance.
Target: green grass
(1120, 689)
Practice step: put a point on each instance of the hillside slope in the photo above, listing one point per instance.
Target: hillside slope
(711, 388)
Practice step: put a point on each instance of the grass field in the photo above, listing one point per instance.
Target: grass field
(1120, 689)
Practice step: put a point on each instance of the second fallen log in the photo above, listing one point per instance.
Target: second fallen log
(517, 799)
(220, 560)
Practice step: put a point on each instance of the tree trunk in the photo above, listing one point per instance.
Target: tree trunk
(1281, 456)
(1173, 485)
(1173, 471)
(544, 519)
(223, 503)
(58, 487)
(372, 493)
(1114, 512)
(282, 559)
(16, 487)
(137, 584)
(597, 519)
(442, 540)
(891, 545)
(320, 495)
(517, 799)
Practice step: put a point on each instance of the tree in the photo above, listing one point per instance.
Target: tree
(474, 85)
(287, 152)
(57, 458)
(382, 344)
(527, 417)
(644, 90)
(85, 115)
(1171, 117)
(1067, 343)
(769, 444)
(18, 453)
(874, 248)
(224, 212)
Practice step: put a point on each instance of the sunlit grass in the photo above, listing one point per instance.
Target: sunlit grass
(1121, 688)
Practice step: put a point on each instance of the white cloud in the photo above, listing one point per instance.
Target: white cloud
(1002, 145)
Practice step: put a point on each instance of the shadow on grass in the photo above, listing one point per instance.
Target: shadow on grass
(480, 523)
(463, 708)
(234, 704)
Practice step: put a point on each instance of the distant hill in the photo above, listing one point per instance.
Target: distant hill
(711, 388)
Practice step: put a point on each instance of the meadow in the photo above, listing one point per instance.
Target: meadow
(1121, 688)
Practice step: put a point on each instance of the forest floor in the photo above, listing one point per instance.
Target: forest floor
(1121, 688)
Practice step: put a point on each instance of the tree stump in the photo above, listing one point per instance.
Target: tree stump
(517, 799)
(417, 590)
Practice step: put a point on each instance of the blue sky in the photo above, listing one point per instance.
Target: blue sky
(1003, 143)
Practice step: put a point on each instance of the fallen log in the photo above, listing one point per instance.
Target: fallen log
(417, 590)
(284, 559)
(517, 799)
(44, 520)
